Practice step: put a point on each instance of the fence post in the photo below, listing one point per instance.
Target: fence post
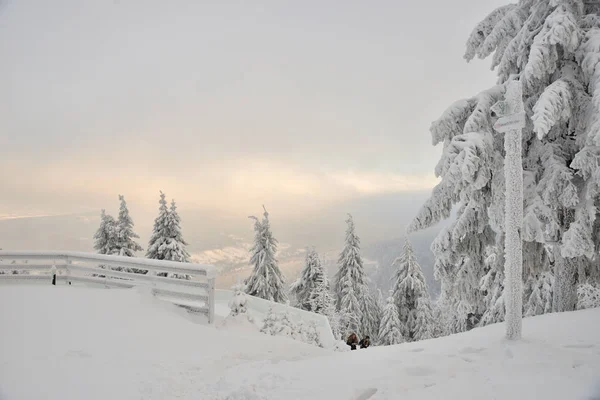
(211, 300)
(68, 270)
(53, 272)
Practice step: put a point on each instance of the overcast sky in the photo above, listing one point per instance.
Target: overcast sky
(225, 105)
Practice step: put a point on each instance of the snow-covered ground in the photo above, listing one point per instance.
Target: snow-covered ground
(81, 343)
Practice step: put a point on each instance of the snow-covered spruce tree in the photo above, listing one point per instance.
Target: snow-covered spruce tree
(353, 299)
(166, 242)
(408, 289)
(270, 323)
(303, 287)
(105, 238)
(390, 331)
(371, 315)
(553, 47)
(239, 302)
(322, 302)
(126, 245)
(160, 232)
(424, 323)
(266, 280)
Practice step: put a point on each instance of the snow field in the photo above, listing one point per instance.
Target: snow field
(81, 343)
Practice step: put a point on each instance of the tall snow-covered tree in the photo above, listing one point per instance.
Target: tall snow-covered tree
(105, 238)
(409, 289)
(311, 274)
(322, 302)
(166, 242)
(160, 232)
(266, 280)
(126, 244)
(390, 331)
(350, 286)
(553, 48)
(424, 323)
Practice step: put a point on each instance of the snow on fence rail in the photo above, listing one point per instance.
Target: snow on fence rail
(96, 269)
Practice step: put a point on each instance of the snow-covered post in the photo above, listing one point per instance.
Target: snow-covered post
(211, 300)
(511, 122)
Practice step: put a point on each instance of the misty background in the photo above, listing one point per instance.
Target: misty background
(314, 109)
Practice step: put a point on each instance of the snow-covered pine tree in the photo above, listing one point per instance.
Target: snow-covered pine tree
(424, 325)
(371, 315)
(175, 250)
(126, 244)
(304, 286)
(408, 288)
(350, 283)
(390, 331)
(270, 323)
(266, 280)
(105, 238)
(166, 242)
(160, 232)
(322, 302)
(239, 302)
(552, 47)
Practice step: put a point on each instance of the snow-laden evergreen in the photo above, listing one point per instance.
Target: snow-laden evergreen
(239, 302)
(424, 323)
(265, 280)
(311, 274)
(350, 287)
(322, 302)
(160, 232)
(105, 238)
(126, 244)
(282, 324)
(553, 48)
(390, 331)
(166, 241)
(410, 294)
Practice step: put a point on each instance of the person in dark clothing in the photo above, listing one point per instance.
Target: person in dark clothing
(352, 341)
(365, 342)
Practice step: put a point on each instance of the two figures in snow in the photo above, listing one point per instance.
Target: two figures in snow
(353, 342)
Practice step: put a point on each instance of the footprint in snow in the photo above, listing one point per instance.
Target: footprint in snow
(471, 350)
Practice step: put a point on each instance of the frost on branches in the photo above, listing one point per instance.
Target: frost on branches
(553, 48)
(390, 332)
(266, 280)
(166, 242)
(238, 304)
(411, 297)
(588, 296)
(312, 273)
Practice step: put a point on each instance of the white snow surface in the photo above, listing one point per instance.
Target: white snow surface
(82, 343)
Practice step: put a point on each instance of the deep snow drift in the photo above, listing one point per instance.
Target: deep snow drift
(81, 343)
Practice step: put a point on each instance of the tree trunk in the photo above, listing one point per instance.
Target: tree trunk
(564, 297)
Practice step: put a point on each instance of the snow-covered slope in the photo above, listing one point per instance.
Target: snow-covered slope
(75, 343)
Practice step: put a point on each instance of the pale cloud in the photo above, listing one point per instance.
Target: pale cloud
(230, 186)
(382, 182)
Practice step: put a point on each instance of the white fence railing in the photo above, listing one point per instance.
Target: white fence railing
(113, 271)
